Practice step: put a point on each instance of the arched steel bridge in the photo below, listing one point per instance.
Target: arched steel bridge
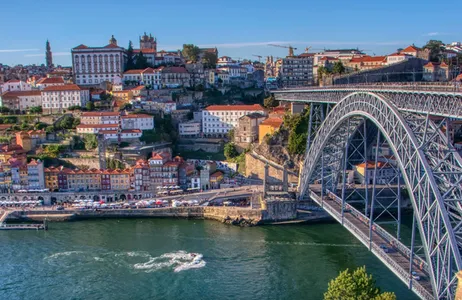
(352, 127)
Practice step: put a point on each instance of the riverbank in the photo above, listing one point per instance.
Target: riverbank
(229, 215)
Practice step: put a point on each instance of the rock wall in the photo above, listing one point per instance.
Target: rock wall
(255, 168)
(90, 162)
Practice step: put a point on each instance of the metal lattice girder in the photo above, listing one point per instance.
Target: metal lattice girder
(430, 167)
(446, 104)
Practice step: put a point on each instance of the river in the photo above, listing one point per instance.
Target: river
(149, 259)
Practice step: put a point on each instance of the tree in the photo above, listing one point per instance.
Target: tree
(436, 48)
(126, 106)
(35, 110)
(191, 52)
(40, 126)
(356, 285)
(210, 60)
(322, 71)
(4, 109)
(50, 129)
(52, 151)
(130, 65)
(75, 123)
(141, 61)
(231, 134)
(230, 151)
(65, 123)
(90, 141)
(338, 68)
(270, 102)
(90, 106)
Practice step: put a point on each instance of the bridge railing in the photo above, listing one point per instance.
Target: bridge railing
(418, 86)
(394, 242)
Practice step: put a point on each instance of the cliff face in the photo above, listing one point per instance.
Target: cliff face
(275, 149)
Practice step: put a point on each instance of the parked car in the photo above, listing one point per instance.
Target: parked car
(415, 276)
(384, 248)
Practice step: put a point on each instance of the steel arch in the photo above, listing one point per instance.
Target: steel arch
(428, 178)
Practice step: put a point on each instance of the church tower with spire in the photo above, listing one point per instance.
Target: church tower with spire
(48, 56)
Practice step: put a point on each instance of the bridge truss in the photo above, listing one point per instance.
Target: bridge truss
(424, 164)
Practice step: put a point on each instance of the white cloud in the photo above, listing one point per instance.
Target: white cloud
(319, 43)
(436, 33)
(16, 50)
(43, 54)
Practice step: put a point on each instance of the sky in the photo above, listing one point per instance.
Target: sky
(238, 28)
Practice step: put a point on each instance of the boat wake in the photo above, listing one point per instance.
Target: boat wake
(177, 261)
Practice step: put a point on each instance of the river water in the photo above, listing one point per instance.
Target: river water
(150, 259)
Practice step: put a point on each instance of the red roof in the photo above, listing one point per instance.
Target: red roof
(306, 55)
(13, 81)
(65, 87)
(234, 107)
(217, 174)
(371, 164)
(140, 87)
(131, 131)
(98, 126)
(135, 71)
(145, 51)
(22, 93)
(174, 70)
(111, 46)
(274, 122)
(108, 131)
(100, 114)
(138, 116)
(81, 46)
(411, 48)
(51, 80)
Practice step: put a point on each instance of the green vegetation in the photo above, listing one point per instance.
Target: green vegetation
(52, 151)
(90, 106)
(230, 151)
(126, 106)
(356, 285)
(164, 131)
(35, 110)
(338, 68)
(436, 49)
(210, 60)
(233, 156)
(130, 63)
(297, 126)
(191, 52)
(8, 120)
(270, 102)
(90, 141)
(201, 155)
(114, 164)
(67, 122)
(141, 61)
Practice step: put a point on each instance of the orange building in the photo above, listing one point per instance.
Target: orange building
(269, 126)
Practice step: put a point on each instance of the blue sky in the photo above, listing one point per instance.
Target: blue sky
(238, 28)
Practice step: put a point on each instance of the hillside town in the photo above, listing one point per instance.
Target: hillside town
(168, 122)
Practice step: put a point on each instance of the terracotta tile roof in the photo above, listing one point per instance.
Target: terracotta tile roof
(100, 114)
(81, 46)
(371, 164)
(98, 126)
(397, 54)
(411, 48)
(135, 71)
(22, 93)
(274, 122)
(13, 81)
(150, 71)
(131, 131)
(51, 80)
(111, 46)
(108, 131)
(140, 87)
(234, 107)
(138, 116)
(5, 126)
(174, 70)
(306, 55)
(217, 174)
(65, 87)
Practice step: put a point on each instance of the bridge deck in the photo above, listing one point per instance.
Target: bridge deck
(395, 259)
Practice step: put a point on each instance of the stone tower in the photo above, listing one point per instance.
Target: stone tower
(48, 56)
(148, 42)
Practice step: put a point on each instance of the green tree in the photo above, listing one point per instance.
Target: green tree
(4, 109)
(90, 106)
(230, 151)
(91, 141)
(130, 64)
(191, 52)
(338, 68)
(356, 285)
(141, 61)
(52, 151)
(231, 134)
(210, 60)
(40, 126)
(50, 129)
(270, 102)
(322, 71)
(35, 110)
(75, 123)
(436, 49)
(65, 123)
(127, 106)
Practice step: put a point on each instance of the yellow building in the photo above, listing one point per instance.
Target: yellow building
(268, 127)
(124, 95)
(51, 178)
(84, 180)
(120, 179)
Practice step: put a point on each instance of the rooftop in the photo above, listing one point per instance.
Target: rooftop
(254, 107)
(65, 87)
(274, 122)
(98, 126)
(51, 80)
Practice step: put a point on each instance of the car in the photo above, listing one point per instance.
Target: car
(415, 276)
(60, 208)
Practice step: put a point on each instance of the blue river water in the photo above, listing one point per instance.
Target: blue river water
(181, 259)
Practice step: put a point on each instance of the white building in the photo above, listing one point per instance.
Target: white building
(397, 57)
(226, 61)
(234, 71)
(189, 129)
(15, 85)
(148, 76)
(21, 100)
(35, 175)
(96, 128)
(386, 174)
(195, 182)
(107, 117)
(219, 119)
(122, 134)
(139, 121)
(59, 97)
(93, 65)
